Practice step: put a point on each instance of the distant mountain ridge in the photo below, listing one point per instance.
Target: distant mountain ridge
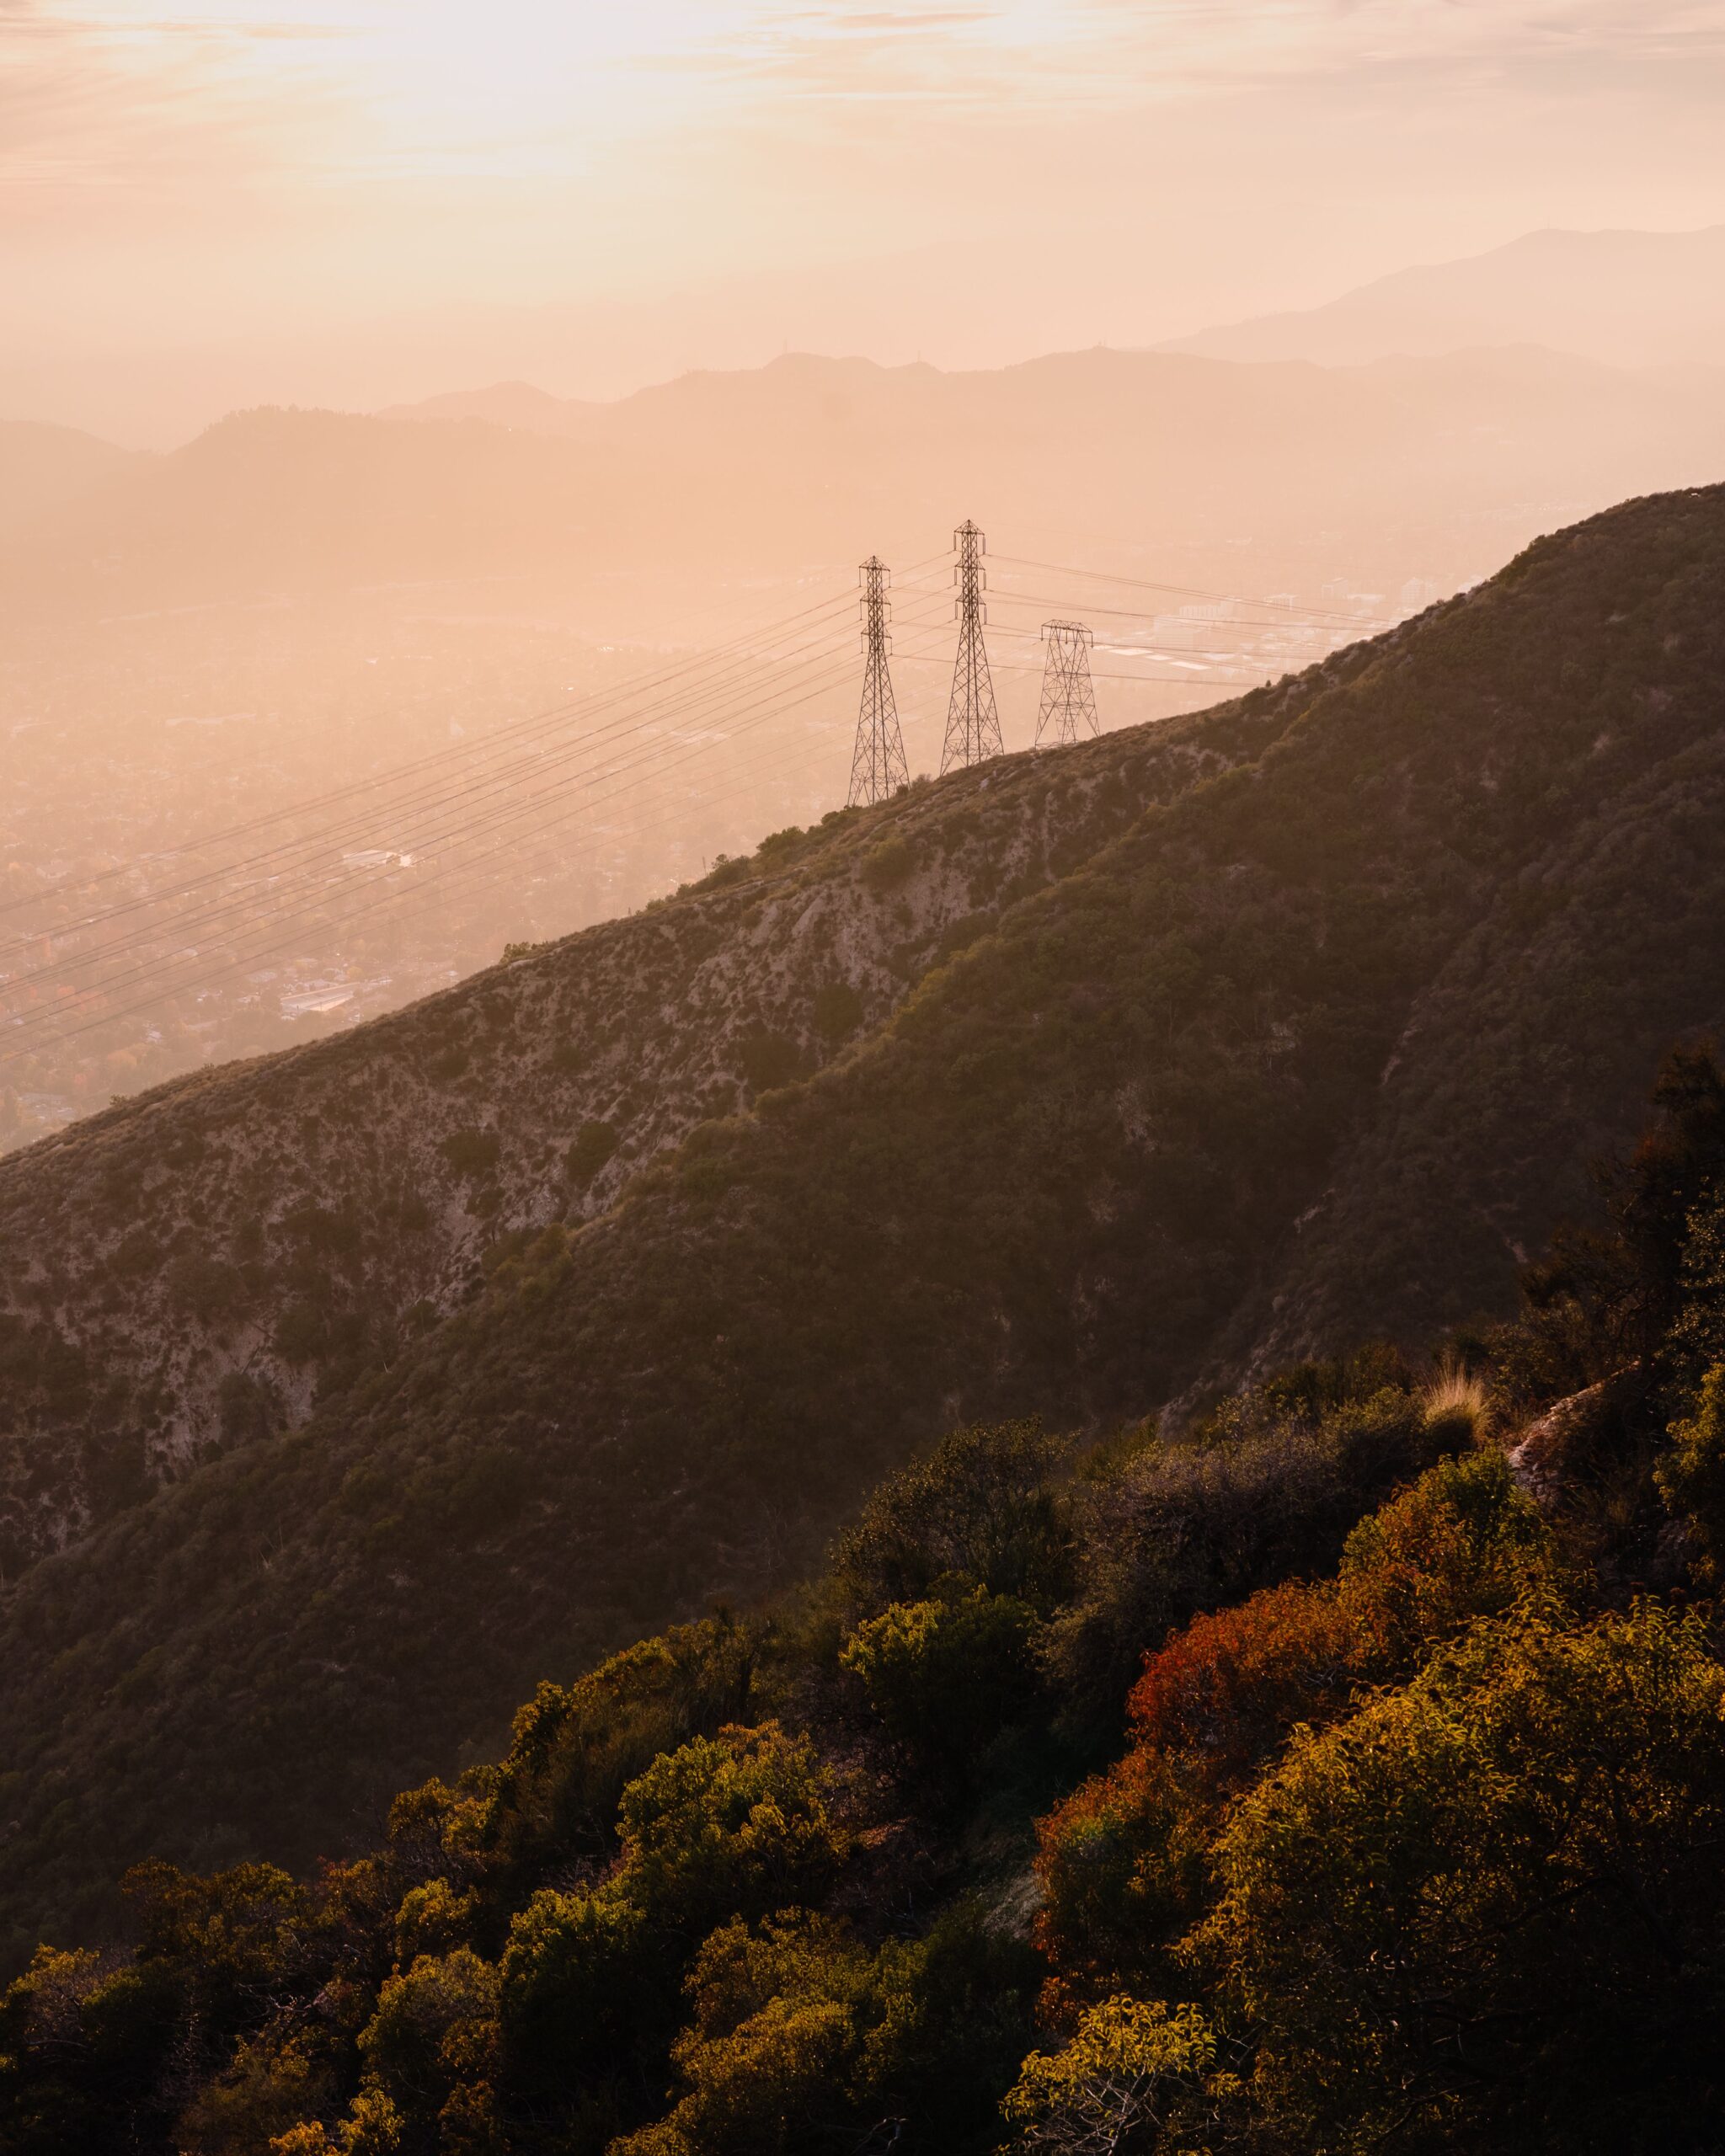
(45, 469)
(1311, 1050)
(1628, 299)
(1202, 468)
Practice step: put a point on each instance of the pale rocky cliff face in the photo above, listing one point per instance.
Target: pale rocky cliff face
(196, 1267)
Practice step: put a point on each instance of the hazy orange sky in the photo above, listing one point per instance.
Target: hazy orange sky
(271, 169)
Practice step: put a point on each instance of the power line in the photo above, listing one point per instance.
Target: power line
(1192, 591)
(489, 745)
(322, 853)
(1140, 614)
(501, 742)
(726, 687)
(165, 984)
(1149, 651)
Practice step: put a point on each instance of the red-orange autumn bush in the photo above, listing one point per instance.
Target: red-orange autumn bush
(1122, 1862)
(1227, 1689)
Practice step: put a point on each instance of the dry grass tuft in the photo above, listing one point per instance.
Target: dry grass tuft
(1453, 1394)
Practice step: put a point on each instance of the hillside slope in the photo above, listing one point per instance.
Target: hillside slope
(1465, 887)
(197, 1267)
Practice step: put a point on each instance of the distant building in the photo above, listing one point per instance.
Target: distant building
(1418, 593)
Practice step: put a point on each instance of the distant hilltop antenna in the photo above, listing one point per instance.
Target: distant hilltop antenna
(878, 766)
(973, 725)
(1068, 694)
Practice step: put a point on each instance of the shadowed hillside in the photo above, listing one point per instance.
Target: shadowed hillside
(197, 1267)
(1212, 1081)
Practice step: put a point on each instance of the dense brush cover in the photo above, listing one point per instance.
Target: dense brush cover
(1407, 1836)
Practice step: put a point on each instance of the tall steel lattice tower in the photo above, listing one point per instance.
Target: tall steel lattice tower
(1068, 694)
(878, 766)
(973, 725)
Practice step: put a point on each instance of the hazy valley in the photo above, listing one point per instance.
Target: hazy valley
(299, 601)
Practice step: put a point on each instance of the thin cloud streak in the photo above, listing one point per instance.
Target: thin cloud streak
(300, 159)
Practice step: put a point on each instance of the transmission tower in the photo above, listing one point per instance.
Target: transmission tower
(878, 766)
(1068, 697)
(973, 725)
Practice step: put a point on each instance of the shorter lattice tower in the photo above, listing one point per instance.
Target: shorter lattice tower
(1068, 694)
(878, 766)
(973, 724)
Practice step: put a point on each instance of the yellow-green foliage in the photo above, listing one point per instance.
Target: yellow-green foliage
(1495, 1894)
(435, 2028)
(1413, 1847)
(791, 2023)
(1128, 2065)
(736, 1825)
(947, 1677)
(1463, 1543)
(1693, 1477)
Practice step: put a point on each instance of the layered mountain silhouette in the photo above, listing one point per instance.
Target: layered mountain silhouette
(1199, 469)
(44, 469)
(1624, 298)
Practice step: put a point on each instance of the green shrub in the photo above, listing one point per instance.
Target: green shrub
(768, 1060)
(591, 1147)
(989, 1506)
(575, 1750)
(838, 1010)
(802, 2037)
(783, 2048)
(435, 2028)
(581, 1983)
(1129, 2064)
(946, 1678)
(1463, 1543)
(738, 1824)
(889, 863)
(473, 1153)
(272, 2084)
